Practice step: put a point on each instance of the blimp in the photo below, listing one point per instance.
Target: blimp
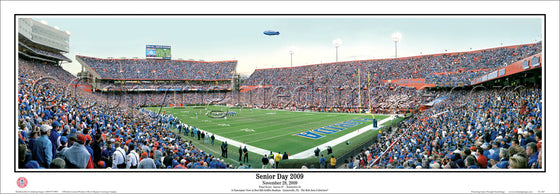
(271, 32)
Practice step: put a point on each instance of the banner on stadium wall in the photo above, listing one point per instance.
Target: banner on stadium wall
(535, 61)
(161, 90)
(525, 64)
(405, 81)
(416, 83)
(249, 88)
(493, 75)
(169, 89)
(501, 72)
(459, 71)
(86, 88)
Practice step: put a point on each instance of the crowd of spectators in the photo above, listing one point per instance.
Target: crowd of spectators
(153, 69)
(178, 86)
(451, 67)
(463, 78)
(380, 99)
(335, 86)
(54, 71)
(495, 129)
(56, 129)
(162, 98)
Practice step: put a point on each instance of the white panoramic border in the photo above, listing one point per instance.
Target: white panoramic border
(339, 182)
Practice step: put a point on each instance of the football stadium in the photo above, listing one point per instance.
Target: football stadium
(478, 109)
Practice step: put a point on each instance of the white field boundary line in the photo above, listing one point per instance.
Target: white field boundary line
(309, 152)
(250, 148)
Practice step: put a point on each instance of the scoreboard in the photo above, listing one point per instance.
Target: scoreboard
(158, 51)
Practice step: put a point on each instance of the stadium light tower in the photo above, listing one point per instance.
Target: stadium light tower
(337, 44)
(291, 55)
(396, 37)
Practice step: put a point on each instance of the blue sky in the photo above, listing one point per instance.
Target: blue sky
(213, 38)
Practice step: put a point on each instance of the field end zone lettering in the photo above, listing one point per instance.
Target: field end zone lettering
(325, 131)
(353, 123)
(332, 127)
(343, 125)
(310, 135)
(358, 120)
(363, 120)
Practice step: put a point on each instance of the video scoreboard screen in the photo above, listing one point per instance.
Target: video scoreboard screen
(158, 51)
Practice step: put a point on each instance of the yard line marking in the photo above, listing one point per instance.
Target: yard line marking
(247, 130)
(268, 138)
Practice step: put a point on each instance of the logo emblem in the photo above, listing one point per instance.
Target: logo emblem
(22, 182)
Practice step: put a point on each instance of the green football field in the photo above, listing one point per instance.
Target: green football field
(270, 129)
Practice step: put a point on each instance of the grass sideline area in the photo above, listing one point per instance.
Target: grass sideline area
(233, 154)
(267, 129)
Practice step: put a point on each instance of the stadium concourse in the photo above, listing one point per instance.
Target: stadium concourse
(60, 127)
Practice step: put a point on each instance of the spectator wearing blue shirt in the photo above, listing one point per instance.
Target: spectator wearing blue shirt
(323, 162)
(54, 137)
(351, 163)
(146, 162)
(533, 154)
(107, 153)
(77, 156)
(523, 139)
(504, 159)
(42, 148)
(531, 137)
(32, 137)
(504, 143)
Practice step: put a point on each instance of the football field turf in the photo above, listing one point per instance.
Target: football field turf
(272, 129)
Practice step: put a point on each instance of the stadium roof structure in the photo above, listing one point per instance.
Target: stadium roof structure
(40, 51)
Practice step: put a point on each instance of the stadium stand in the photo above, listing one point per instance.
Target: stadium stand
(188, 81)
(458, 66)
(50, 105)
(61, 126)
(445, 135)
(319, 81)
(146, 69)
